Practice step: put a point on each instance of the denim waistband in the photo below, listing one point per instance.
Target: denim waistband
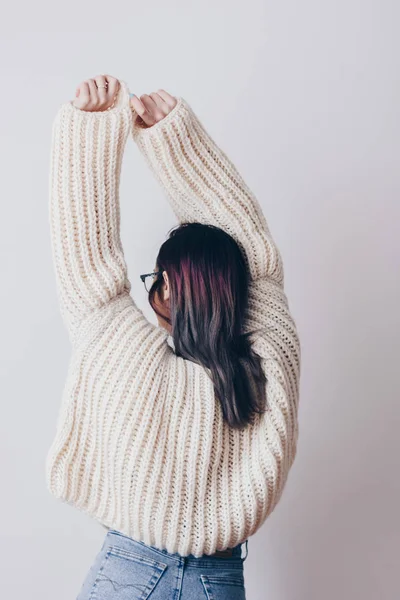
(236, 550)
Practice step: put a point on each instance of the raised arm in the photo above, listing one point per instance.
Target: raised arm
(86, 157)
(203, 185)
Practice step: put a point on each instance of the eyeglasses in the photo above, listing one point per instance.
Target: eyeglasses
(149, 278)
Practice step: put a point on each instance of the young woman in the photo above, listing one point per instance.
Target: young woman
(180, 452)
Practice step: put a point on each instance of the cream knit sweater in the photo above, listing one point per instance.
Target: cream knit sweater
(140, 442)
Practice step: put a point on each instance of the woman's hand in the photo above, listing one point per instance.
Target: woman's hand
(96, 94)
(152, 108)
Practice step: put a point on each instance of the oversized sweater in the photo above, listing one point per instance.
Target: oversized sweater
(140, 442)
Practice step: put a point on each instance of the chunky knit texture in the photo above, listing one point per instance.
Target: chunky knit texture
(140, 443)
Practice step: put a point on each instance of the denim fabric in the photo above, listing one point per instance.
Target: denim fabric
(125, 569)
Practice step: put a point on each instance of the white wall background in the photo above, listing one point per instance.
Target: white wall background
(304, 97)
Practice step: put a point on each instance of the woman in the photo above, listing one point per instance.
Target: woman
(183, 452)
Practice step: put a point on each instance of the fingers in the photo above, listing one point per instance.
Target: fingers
(160, 102)
(94, 95)
(169, 100)
(100, 93)
(113, 86)
(97, 94)
(83, 96)
(102, 88)
(142, 108)
(152, 108)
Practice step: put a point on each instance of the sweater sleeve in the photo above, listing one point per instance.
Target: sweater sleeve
(204, 186)
(86, 157)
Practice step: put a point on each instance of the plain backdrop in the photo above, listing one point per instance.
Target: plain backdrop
(304, 98)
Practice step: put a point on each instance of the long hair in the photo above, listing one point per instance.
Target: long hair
(209, 281)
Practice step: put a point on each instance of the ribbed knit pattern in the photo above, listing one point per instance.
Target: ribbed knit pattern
(141, 444)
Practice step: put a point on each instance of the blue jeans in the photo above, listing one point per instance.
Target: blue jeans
(125, 569)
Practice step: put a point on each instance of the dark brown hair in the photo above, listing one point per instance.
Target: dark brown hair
(208, 300)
